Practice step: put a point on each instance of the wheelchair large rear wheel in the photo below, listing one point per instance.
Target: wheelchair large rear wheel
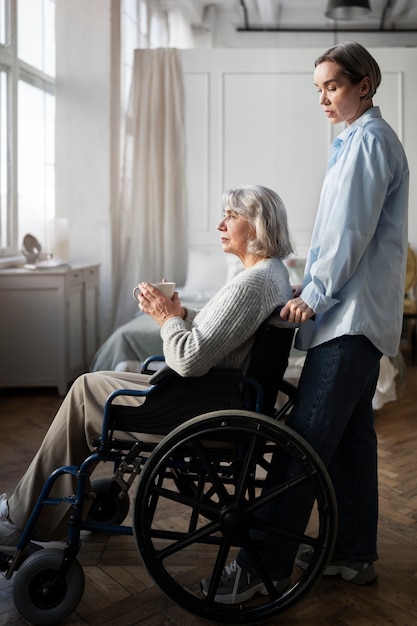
(200, 498)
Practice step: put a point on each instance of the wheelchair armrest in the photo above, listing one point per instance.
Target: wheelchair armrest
(162, 374)
(145, 369)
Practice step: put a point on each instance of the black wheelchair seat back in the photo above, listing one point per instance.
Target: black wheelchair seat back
(269, 360)
(174, 399)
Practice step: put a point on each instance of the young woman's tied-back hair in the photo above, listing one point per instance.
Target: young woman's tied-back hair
(264, 209)
(356, 63)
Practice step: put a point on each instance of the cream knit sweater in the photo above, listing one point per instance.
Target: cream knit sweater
(222, 332)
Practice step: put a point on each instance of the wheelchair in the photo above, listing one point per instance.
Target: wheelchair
(199, 491)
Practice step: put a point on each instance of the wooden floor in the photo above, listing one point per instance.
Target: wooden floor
(119, 592)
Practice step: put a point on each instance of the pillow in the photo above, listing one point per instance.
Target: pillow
(295, 266)
(206, 274)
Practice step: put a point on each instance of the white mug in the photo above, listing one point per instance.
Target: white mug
(166, 288)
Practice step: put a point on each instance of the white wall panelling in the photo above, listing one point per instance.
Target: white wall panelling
(252, 116)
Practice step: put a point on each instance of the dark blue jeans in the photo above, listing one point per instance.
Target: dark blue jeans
(333, 413)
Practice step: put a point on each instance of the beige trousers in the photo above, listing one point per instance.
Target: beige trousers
(68, 442)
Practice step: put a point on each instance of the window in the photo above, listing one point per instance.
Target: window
(3, 159)
(27, 122)
(147, 24)
(135, 26)
(2, 22)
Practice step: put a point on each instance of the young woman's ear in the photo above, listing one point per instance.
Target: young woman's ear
(365, 87)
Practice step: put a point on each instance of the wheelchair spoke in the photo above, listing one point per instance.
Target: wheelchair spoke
(258, 563)
(248, 468)
(219, 564)
(277, 531)
(204, 456)
(205, 507)
(281, 490)
(186, 540)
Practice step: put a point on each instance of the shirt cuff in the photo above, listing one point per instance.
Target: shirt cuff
(317, 301)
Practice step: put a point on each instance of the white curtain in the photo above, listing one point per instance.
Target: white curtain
(150, 224)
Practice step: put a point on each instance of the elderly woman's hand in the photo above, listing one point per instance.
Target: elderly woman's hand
(153, 302)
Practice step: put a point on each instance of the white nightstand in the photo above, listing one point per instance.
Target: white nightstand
(49, 325)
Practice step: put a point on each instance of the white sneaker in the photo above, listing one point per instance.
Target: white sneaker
(238, 585)
(9, 532)
(354, 572)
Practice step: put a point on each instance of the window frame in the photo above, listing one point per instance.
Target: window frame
(16, 70)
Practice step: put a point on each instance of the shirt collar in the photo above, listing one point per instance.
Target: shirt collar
(372, 113)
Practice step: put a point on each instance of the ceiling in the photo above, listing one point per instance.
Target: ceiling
(300, 14)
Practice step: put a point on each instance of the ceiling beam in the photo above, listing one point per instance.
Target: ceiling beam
(325, 29)
(309, 29)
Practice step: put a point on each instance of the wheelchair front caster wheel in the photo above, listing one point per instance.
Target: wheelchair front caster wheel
(38, 596)
(108, 507)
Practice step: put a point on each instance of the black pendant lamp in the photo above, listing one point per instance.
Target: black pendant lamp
(347, 9)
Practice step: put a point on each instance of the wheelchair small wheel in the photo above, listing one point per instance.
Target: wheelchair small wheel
(187, 534)
(38, 597)
(107, 506)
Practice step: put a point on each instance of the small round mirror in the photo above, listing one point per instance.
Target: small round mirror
(31, 248)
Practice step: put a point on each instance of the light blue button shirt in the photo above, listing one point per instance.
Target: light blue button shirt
(355, 269)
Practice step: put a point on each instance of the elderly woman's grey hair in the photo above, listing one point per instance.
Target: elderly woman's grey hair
(356, 63)
(264, 209)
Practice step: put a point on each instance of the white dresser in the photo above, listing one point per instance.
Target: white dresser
(49, 325)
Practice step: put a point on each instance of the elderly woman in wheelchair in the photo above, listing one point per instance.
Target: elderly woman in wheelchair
(202, 436)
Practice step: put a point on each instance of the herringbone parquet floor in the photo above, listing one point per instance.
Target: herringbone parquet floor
(119, 592)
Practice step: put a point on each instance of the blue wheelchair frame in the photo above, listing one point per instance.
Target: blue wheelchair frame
(136, 457)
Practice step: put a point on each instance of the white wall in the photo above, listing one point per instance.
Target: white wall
(252, 118)
(83, 132)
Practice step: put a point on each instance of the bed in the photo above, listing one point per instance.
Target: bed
(129, 345)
